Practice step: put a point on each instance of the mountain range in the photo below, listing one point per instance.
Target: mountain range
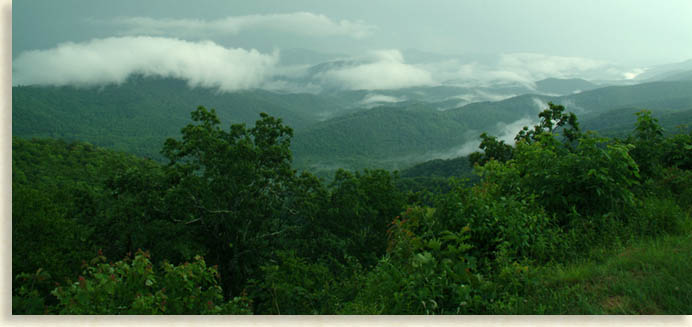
(335, 128)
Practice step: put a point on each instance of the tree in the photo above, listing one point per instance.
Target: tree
(647, 139)
(551, 120)
(493, 149)
(231, 186)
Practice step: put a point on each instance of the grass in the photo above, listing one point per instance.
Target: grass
(652, 276)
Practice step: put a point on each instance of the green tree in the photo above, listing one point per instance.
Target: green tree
(551, 120)
(231, 186)
(360, 208)
(647, 139)
(493, 149)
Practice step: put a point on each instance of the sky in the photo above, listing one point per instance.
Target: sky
(528, 39)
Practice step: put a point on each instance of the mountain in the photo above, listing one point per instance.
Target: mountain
(679, 76)
(397, 136)
(657, 95)
(557, 86)
(137, 116)
(347, 129)
(620, 122)
(663, 72)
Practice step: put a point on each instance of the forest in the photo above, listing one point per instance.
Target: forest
(566, 221)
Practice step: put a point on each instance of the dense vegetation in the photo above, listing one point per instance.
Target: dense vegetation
(227, 226)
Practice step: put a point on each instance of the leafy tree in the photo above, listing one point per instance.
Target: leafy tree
(361, 206)
(551, 120)
(492, 149)
(231, 187)
(648, 141)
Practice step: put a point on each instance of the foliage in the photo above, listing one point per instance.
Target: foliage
(647, 140)
(502, 227)
(133, 286)
(361, 206)
(432, 273)
(230, 185)
(492, 149)
(293, 285)
(551, 120)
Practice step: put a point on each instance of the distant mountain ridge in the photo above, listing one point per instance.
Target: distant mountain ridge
(332, 130)
(560, 86)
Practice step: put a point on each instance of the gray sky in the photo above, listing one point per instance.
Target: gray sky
(631, 33)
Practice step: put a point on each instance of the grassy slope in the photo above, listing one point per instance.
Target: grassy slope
(646, 277)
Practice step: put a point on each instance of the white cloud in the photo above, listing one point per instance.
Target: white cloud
(386, 71)
(526, 68)
(633, 74)
(541, 66)
(380, 98)
(112, 60)
(301, 23)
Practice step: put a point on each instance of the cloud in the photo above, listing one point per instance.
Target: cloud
(540, 105)
(385, 70)
(540, 66)
(373, 99)
(634, 73)
(526, 68)
(503, 131)
(300, 23)
(507, 132)
(112, 60)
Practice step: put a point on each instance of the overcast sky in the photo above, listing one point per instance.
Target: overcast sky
(625, 32)
(650, 31)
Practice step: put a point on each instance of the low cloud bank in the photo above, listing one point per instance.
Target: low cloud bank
(372, 99)
(112, 60)
(526, 68)
(385, 70)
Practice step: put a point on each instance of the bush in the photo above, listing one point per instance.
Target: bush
(656, 216)
(134, 287)
(431, 273)
(501, 224)
(292, 285)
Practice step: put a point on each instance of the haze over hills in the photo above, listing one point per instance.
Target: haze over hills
(336, 129)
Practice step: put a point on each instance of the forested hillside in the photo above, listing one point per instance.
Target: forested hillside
(227, 226)
(137, 116)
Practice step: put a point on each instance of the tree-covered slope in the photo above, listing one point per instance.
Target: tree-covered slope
(138, 115)
(389, 135)
(657, 95)
(564, 86)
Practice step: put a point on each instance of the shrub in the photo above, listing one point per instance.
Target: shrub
(134, 287)
(432, 273)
